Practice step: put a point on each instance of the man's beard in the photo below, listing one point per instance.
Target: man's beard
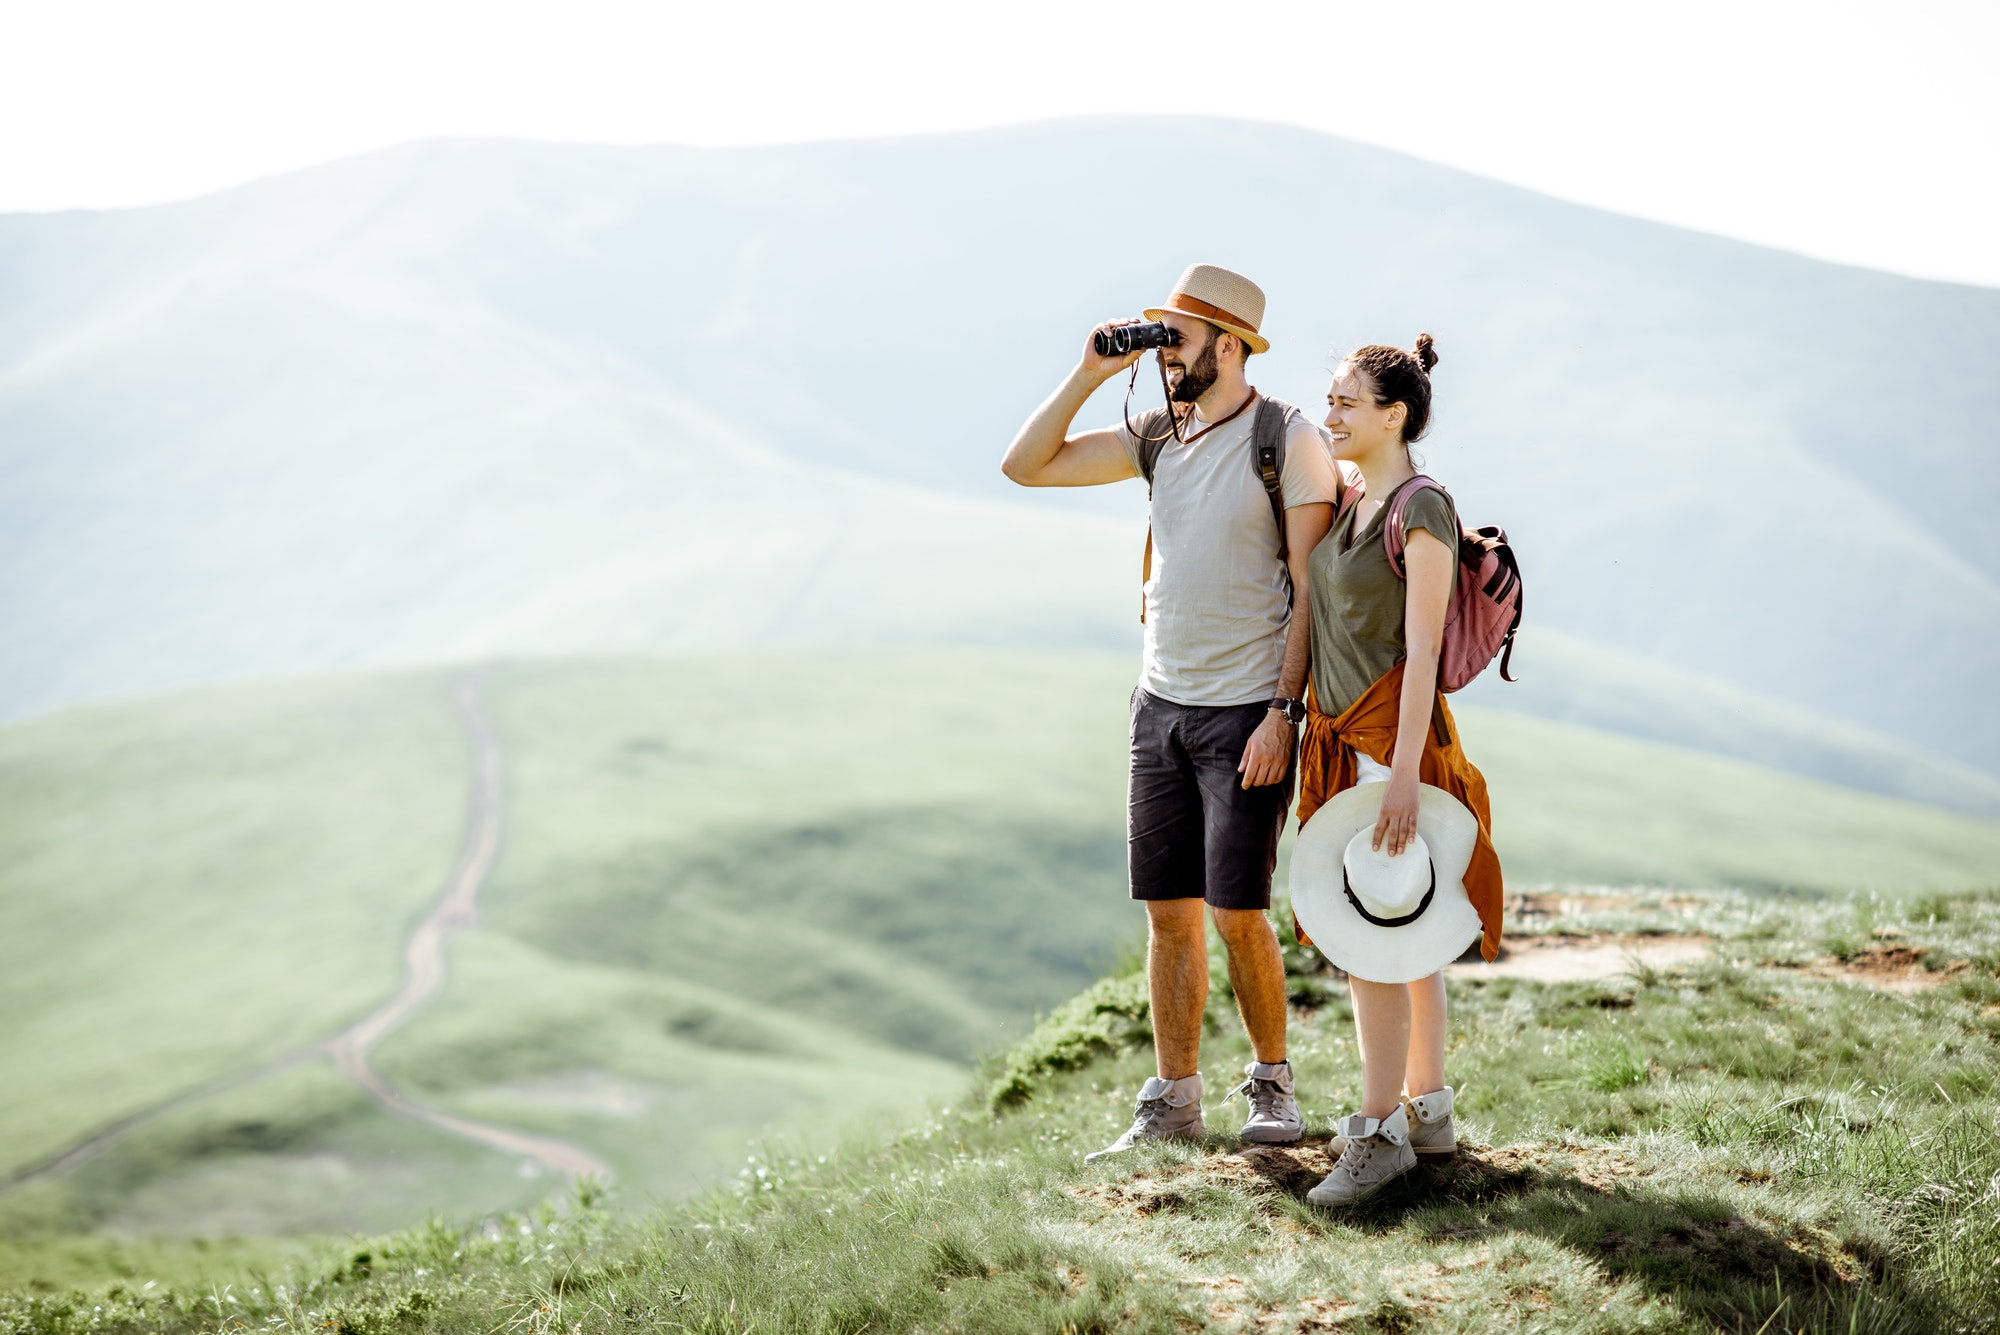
(1198, 376)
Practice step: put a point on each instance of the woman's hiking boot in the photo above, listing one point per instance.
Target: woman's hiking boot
(1274, 1111)
(1378, 1151)
(1168, 1110)
(1431, 1134)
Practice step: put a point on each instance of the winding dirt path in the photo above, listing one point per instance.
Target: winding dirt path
(423, 978)
(423, 958)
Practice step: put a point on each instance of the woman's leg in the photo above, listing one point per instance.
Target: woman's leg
(1382, 1026)
(1424, 1071)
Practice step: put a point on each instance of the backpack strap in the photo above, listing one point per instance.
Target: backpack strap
(1392, 523)
(1505, 580)
(1267, 453)
(1152, 422)
(1346, 495)
(1392, 547)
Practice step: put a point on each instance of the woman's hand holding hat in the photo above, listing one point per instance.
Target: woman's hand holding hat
(1382, 918)
(1397, 823)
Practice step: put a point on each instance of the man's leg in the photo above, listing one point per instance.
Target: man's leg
(1257, 974)
(1164, 848)
(1240, 829)
(1163, 823)
(1177, 979)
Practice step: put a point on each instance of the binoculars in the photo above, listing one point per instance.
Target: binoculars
(1120, 339)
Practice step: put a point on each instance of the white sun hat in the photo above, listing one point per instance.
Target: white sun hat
(1384, 919)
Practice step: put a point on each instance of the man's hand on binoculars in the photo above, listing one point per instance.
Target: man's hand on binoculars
(1104, 367)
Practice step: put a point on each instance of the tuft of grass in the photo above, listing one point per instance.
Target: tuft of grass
(1612, 1068)
(1109, 1017)
(1932, 909)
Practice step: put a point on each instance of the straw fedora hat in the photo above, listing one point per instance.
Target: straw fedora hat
(1384, 919)
(1221, 297)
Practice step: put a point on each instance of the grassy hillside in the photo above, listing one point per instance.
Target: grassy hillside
(776, 893)
(1740, 1145)
(193, 886)
(636, 987)
(469, 398)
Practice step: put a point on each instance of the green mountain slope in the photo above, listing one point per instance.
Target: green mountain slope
(466, 398)
(1574, 804)
(1572, 680)
(196, 885)
(779, 891)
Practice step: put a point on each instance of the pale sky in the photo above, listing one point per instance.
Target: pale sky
(1865, 133)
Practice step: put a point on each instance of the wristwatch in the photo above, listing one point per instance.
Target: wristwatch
(1293, 710)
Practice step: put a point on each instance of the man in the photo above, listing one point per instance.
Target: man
(1215, 714)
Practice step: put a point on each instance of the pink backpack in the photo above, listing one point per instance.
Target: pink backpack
(1485, 608)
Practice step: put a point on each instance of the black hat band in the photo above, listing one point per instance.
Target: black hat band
(1407, 918)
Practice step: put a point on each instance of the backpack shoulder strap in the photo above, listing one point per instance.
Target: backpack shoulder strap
(1346, 494)
(1392, 523)
(1152, 422)
(1267, 452)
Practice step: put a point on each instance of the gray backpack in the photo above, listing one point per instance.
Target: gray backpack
(1267, 457)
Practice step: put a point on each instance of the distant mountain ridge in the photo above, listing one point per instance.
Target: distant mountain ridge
(472, 398)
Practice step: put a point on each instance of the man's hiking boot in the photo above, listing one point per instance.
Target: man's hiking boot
(1274, 1112)
(1168, 1110)
(1431, 1135)
(1378, 1151)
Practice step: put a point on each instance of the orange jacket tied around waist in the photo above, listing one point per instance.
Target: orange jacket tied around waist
(1327, 766)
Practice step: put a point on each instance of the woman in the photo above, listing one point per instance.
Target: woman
(1377, 717)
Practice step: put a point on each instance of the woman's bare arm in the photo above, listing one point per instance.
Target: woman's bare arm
(1426, 597)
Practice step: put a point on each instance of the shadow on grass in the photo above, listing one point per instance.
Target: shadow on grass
(1700, 1250)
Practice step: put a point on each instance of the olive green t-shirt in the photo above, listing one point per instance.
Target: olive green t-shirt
(1357, 598)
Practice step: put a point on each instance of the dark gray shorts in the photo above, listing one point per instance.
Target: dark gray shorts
(1193, 831)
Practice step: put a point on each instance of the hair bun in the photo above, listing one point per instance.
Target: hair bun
(1427, 353)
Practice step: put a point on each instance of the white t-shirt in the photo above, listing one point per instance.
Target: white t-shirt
(1216, 606)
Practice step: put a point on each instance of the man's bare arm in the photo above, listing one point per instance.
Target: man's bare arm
(1044, 454)
(1305, 527)
(1269, 753)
